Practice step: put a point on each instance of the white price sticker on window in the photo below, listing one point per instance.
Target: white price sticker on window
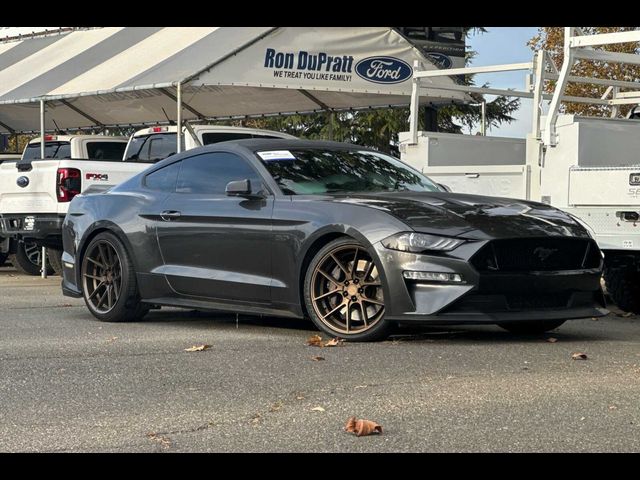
(275, 155)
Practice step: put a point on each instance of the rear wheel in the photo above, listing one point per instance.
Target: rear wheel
(28, 259)
(531, 327)
(343, 292)
(109, 283)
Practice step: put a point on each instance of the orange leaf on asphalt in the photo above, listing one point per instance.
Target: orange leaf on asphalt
(579, 356)
(197, 348)
(552, 340)
(334, 342)
(317, 358)
(314, 341)
(362, 427)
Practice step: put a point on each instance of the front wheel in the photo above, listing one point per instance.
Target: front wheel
(343, 292)
(109, 285)
(531, 327)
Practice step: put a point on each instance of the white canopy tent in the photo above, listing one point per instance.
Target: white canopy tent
(117, 76)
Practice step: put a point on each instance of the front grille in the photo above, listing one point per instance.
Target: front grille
(537, 255)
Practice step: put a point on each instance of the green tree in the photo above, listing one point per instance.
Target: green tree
(551, 39)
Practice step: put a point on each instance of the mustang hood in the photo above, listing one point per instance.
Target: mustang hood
(471, 216)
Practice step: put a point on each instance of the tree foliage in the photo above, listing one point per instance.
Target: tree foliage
(551, 39)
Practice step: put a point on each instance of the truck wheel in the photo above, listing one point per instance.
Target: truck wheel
(27, 259)
(55, 260)
(623, 285)
(531, 327)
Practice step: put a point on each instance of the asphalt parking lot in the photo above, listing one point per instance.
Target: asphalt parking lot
(71, 383)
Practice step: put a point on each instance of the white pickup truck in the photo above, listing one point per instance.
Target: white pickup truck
(35, 193)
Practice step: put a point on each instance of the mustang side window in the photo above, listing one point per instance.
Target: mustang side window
(163, 179)
(210, 173)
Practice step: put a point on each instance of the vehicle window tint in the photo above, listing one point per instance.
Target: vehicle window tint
(210, 173)
(216, 137)
(151, 148)
(266, 136)
(105, 150)
(163, 179)
(51, 150)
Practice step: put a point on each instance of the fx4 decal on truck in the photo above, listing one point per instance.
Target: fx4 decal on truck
(99, 177)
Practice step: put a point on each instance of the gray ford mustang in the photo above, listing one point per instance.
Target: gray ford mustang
(354, 239)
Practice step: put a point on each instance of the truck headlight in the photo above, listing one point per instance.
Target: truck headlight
(421, 242)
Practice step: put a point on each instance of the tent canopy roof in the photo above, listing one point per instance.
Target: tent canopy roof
(129, 75)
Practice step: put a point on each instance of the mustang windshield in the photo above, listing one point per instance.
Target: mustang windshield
(315, 171)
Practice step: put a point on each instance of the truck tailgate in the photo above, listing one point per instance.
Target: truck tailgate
(38, 196)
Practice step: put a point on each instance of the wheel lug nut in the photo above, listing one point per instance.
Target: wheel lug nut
(346, 294)
(356, 281)
(354, 299)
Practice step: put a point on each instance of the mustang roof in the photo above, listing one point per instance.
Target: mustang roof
(128, 75)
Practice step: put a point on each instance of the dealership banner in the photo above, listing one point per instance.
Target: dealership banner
(367, 60)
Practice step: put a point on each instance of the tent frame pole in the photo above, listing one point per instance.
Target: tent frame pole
(179, 117)
(43, 256)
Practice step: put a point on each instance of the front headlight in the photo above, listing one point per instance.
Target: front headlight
(421, 242)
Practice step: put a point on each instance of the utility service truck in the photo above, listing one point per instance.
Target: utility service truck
(587, 166)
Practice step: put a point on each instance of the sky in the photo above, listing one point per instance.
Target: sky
(501, 45)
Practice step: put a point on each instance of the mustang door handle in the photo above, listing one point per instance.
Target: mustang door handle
(169, 215)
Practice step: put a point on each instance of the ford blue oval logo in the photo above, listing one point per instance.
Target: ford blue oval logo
(384, 70)
(22, 181)
(441, 60)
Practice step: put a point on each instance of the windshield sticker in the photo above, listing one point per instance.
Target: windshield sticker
(276, 155)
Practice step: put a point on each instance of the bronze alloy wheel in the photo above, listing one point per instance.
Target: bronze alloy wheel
(346, 290)
(102, 276)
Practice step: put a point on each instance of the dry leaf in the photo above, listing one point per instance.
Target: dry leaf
(165, 442)
(197, 348)
(334, 342)
(314, 341)
(112, 339)
(256, 419)
(362, 427)
(613, 407)
(276, 407)
(552, 340)
(579, 356)
(317, 358)
(317, 409)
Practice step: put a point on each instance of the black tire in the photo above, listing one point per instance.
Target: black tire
(379, 328)
(623, 286)
(55, 260)
(3, 258)
(529, 327)
(127, 306)
(26, 259)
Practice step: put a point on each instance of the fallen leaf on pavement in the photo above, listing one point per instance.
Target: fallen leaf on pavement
(314, 341)
(197, 348)
(317, 409)
(276, 407)
(334, 342)
(112, 339)
(362, 427)
(317, 358)
(613, 407)
(625, 314)
(165, 442)
(579, 356)
(552, 340)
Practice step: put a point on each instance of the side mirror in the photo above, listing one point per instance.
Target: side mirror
(241, 188)
(445, 188)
